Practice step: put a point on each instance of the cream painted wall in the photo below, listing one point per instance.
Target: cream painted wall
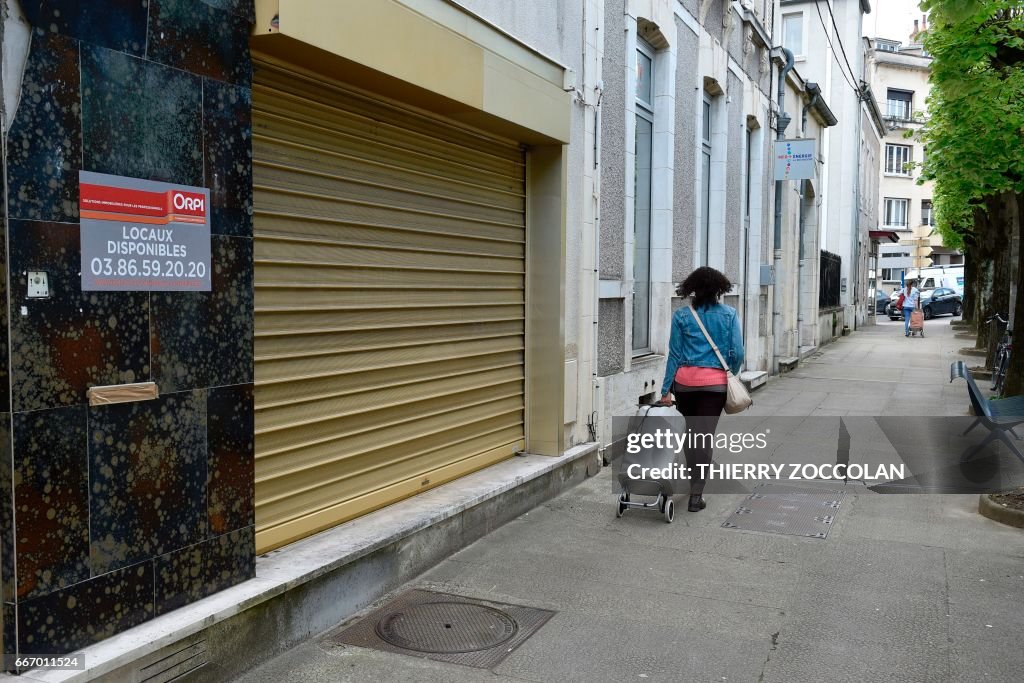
(905, 72)
(457, 56)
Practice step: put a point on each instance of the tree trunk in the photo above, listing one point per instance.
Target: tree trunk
(983, 252)
(1014, 385)
(971, 268)
(992, 228)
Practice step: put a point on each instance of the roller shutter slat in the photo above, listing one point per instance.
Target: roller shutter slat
(289, 415)
(360, 361)
(269, 272)
(292, 390)
(277, 348)
(280, 152)
(289, 499)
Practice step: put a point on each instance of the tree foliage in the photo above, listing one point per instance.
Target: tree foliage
(975, 132)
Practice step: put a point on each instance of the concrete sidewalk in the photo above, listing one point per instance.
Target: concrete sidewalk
(905, 587)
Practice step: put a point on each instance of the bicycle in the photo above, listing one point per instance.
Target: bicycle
(1002, 360)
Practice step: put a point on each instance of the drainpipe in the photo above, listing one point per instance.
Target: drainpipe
(854, 285)
(596, 409)
(781, 125)
(815, 92)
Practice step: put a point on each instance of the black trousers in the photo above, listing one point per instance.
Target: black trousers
(702, 410)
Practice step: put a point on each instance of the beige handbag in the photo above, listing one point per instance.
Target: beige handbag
(737, 398)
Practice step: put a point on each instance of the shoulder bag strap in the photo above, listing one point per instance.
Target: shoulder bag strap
(708, 337)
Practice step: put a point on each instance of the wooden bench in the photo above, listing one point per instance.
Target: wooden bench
(998, 417)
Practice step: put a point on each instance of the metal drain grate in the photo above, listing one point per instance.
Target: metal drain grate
(789, 510)
(446, 628)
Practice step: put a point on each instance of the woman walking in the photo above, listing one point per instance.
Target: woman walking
(693, 372)
(911, 299)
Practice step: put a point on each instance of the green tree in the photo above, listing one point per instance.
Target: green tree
(975, 140)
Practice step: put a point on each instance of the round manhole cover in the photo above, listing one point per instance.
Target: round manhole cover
(447, 627)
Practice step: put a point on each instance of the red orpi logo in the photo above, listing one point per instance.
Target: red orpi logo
(187, 203)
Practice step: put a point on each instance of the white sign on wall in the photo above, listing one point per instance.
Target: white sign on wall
(795, 159)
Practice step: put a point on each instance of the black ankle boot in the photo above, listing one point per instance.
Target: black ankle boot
(696, 504)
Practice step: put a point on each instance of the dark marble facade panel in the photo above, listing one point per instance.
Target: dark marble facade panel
(140, 119)
(204, 339)
(200, 38)
(243, 8)
(44, 145)
(148, 472)
(117, 24)
(192, 573)
(7, 579)
(51, 500)
(227, 140)
(83, 614)
(230, 429)
(5, 356)
(8, 612)
(62, 345)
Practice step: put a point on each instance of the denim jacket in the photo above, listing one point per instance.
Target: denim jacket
(911, 299)
(688, 347)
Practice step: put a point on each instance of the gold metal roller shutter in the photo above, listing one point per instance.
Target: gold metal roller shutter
(389, 259)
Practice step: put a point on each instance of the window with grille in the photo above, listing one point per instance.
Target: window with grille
(897, 159)
(829, 282)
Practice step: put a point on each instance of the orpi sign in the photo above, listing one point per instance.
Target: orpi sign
(795, 159)
(143, 236)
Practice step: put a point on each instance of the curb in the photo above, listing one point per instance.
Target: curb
(997, 512)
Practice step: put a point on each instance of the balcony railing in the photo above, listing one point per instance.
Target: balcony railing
(899, 110)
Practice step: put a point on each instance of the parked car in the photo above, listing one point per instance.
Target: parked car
(881, 301)
(940, 301)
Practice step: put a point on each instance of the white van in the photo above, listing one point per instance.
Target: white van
(951, 277)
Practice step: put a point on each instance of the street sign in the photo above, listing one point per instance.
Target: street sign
(795, 159)
(143, 236)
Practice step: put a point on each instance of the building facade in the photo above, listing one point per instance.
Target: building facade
(899, 73)
(826, 39)
(428, 254)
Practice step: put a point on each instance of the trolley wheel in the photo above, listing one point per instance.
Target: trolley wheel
(670, 511)
(661, 502)
(620, 506)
